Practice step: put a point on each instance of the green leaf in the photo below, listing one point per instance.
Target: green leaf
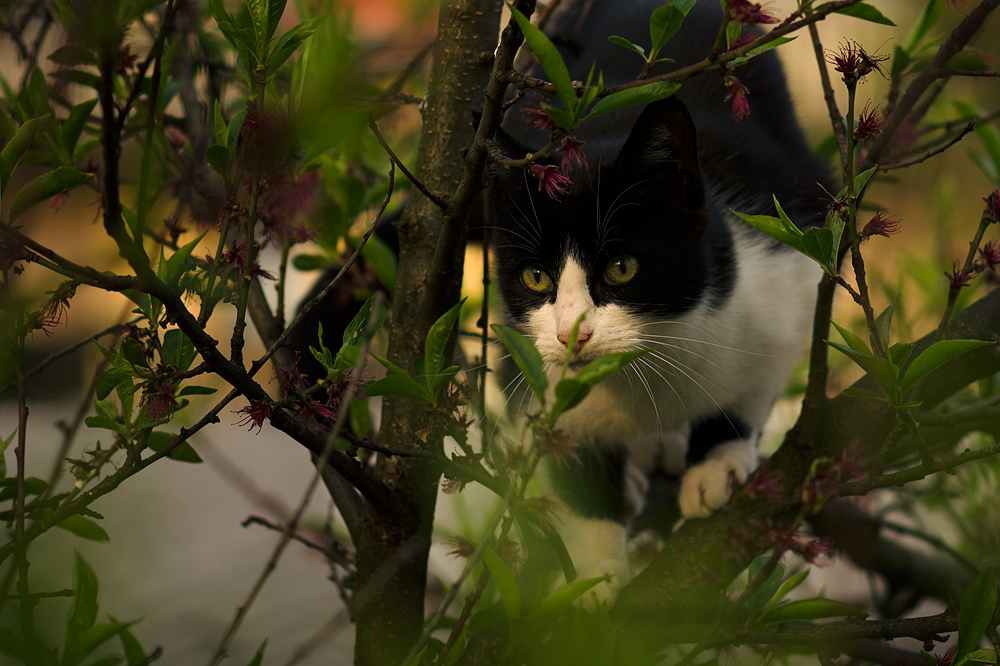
(605, 366)
(853, 341)
(219, 158)
(178, 350)
(976, 611)
(665, 21)
(775, 227)
(985, 656)
(437, 339)
(758, 600)
(854, 392)
(527, 358)
(563, 596)
(789, 585)
(220, 127)
(44, 187)
(310, 262)
(183, 452)
(291, 40)
(549, 58)
(235, 125)
(808, 609)
(865, 12)
(650, 92)
(73, 125)
(937, 355)
(83, 610)
(817, 244)
(878, 368)
(357, 330)
(510, 594)
(621, 41)
(73, 54)
(196, 390)
(258, 656)
(968, 60)
(899, 352)
(85, 528)
(403, 385)
(134, 654)
(883, 323)
(274, 11)
(569, 393)
(930, 15)
(17, 147)
(79, 646)
(109, 381)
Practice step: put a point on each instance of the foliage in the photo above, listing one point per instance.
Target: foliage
(228, 138)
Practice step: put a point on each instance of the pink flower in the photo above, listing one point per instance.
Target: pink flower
(993, 204)
(882, 224)
(854, 63)
(158, 400)
(536, 118)
(255, 414)
(572, 154)
(958, 278)
(738, 93)
(765, 483)
(870, 123)
(550, 179)
(237, 255)
(463, 547)
(990, 255)
(749, 13)
(813, 549)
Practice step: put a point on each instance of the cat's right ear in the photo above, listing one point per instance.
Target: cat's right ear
(664, 140)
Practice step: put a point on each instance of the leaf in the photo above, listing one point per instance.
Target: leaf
(235, 125)
(403, 385)
(985, 656)
(437, 339)
(527, 359)
(569, 393)
(274, 11)
(220, 127)
(109, 381)
(85, 528)
(854, 392)
(258, 656)
(650, 92)
(976, 611)
(937, 355)
(817, 244)
(79, 646)
(83, 610)
(196, 390)
(789, 585)
(183, 452)
(178, 350)
(665, 21)
(865, 12)
(510, 594)
(899, 352)
(808, 609)
(73, 54)
(775, 228)
(134, 654)
(44, 187)
(605, 366)
(853, 341)
(74, 123)
(930, 15)
(291, 41)
(549, 58)
(883, 323)
(968, 60)
(878, 368)
(563, 596)
(621, 41)
(17, 147)
(758, 600)
(219, 158)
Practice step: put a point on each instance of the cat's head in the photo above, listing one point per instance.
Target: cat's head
(626, 245)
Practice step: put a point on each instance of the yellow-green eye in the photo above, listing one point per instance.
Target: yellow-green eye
(536, 279)
(621, 269)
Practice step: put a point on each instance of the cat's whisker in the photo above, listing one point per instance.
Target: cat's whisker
(652, 399)
(649, 343)
(704, 342)
(683, 369)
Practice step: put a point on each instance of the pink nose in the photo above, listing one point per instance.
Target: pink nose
(581, 339)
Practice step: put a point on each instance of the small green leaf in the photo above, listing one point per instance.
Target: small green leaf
(932, 11)
(817, 244)
(17, 147)
(527, 358)
(219, 158)
(73, 54)
(437, 339)
(854, 392)
(569, 393)
(808, 609)
(44, 187)
(883, 323)
(79, 646)
(968, 60)
(74, 123)
(510, 594)
(274, 11)
(775, 228)
(789, 585)
(310, 262)
(975, 613)
(235, 125)
(84, 528)
(134, 654)
(563, 596)
(183, 452)
(621, 41)
(605, 366)
(178, 350)
(665, 21)
(853, 341)
(196, 390)
(861, 180)
(109, 381)
(403, 385)
(650, 92)
(758, 600)
(549, 58)
(865, 12)
(878, 368)
(258, 656)
(83, 610)
(984, 656)
(220, 127)
(937, 355)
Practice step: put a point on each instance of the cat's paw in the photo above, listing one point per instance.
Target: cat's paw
(706, 487)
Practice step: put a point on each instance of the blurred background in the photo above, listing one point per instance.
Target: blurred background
(179, 559)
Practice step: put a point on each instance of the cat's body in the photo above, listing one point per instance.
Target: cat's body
(645, 247)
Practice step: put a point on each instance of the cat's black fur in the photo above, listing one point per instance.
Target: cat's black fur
(666, 175)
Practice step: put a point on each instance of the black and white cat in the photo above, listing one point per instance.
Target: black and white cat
(644, 246)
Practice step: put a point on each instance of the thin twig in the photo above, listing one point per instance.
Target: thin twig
(330, 553)
(438, 201)
(902, 165)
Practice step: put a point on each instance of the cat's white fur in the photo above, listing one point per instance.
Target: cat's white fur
(735, 357)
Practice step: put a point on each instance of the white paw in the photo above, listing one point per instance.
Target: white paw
(706, 487)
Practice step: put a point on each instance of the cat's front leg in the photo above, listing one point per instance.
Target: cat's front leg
(707, 485)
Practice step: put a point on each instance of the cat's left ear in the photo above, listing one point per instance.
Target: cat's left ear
(664, 140)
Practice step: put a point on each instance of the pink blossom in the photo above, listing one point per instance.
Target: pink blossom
(738, 93)
(255, 414)
(572, 154)
(989, 254)
(870, 123)
(882, 224)
(749, 13)
(993, 204)
(550, 179)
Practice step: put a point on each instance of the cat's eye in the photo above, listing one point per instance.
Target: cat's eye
(621, 269)
(536, 279)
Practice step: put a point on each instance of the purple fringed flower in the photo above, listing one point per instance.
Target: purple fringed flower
(255, 414)
(993, 204)
(882, 224)
(738, 93)
(550, 179)
(572, 154)
(749, 13)
(871, 122)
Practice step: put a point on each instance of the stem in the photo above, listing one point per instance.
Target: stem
(984, 222)
(206, 300)
(26, 604)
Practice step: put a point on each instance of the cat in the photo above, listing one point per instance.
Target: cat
(644, 247)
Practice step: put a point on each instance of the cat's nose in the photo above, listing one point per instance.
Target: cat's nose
(581, 339)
